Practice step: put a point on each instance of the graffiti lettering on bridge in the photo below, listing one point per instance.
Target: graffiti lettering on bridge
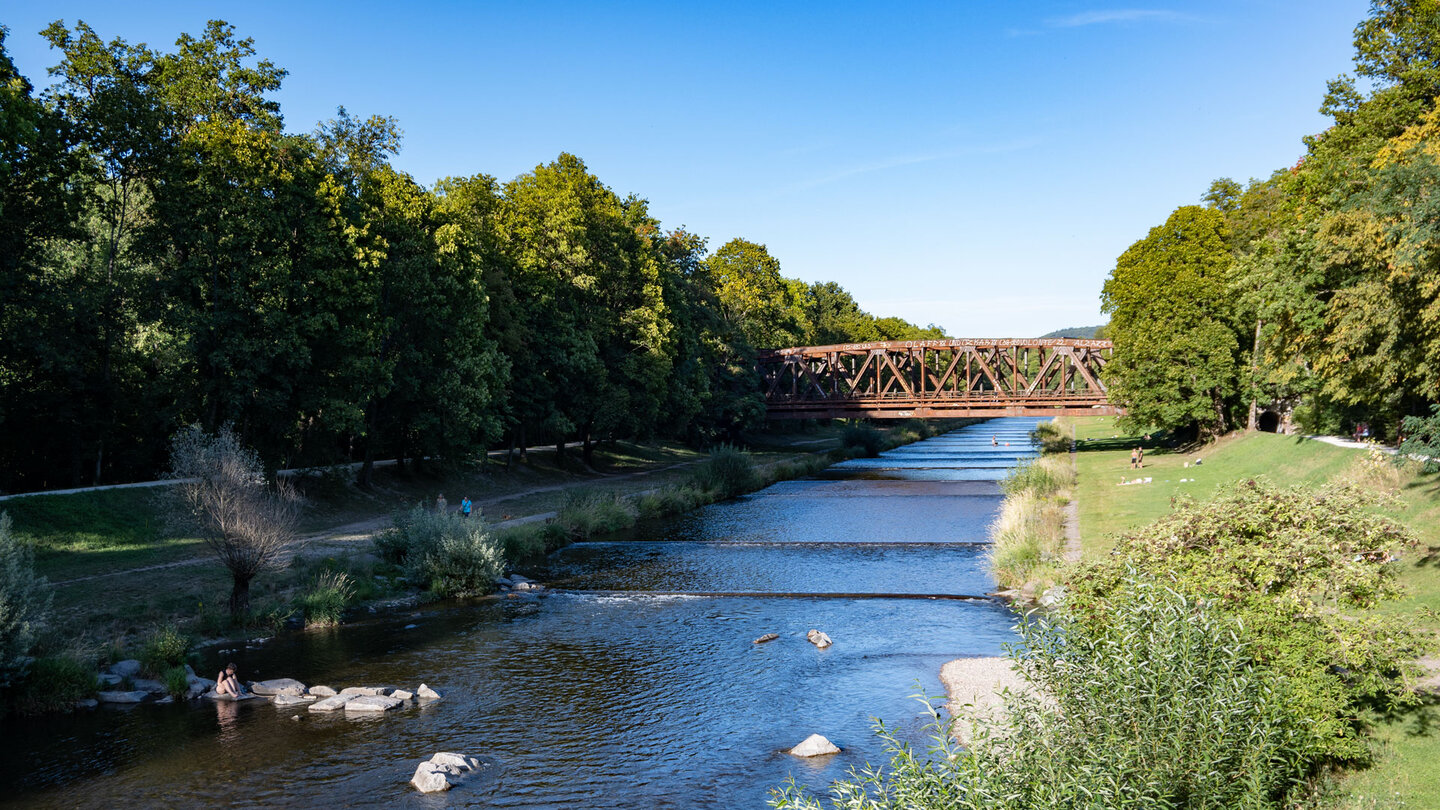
(937, 378)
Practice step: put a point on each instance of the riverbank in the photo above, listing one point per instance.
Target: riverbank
(1106, 508)
(112, 541)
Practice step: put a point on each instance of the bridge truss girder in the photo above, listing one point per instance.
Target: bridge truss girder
(937, 378)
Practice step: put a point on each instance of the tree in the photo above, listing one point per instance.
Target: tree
(754, 298)
(1175, 352)
(220, 492)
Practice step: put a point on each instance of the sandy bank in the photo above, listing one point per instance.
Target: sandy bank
(973, 686)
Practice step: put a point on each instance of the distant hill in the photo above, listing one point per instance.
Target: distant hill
(1084, 332)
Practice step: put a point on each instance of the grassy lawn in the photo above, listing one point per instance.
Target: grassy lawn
(1405, 772)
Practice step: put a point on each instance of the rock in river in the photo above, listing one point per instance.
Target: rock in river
(814, 746)
(278, 686)
(819, 639)
(426, 693)
(372, 703)
(442, 772)
(321, 691)
(121, 697)
(766, 637)
(331, 704)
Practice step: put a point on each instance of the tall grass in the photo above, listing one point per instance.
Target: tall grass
(728, 472)
(585, 514)
(1028, 537)
(325, 602)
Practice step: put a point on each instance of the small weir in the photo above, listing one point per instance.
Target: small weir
(633, 683)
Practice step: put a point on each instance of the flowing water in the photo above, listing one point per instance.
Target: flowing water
(633, 683)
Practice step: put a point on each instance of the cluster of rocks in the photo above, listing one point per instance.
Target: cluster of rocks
(816, 637)
(121, 683)
(518, 585)
(287, 692)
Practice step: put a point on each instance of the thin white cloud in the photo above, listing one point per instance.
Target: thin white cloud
(909, 160)
(1122, 15)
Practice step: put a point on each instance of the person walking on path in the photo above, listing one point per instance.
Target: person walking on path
(465, 506)
(440, 503)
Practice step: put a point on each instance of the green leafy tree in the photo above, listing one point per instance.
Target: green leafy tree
(754, 298)
(1175, 351)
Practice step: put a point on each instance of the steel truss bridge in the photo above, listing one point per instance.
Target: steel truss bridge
(937, 378)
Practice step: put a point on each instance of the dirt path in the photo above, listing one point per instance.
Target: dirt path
(346, 535)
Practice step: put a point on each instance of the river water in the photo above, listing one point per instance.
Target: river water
(633, 683)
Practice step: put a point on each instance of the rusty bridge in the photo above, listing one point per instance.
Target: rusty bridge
(937, 378)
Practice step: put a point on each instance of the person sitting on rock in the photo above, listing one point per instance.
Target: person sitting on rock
(227, 684)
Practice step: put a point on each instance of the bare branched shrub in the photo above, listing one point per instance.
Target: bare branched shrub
(221, 493)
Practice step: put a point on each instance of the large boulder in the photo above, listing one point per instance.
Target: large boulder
(372, 703)
(291, 700)
(151, 686)
(278, 686)
(401, 694)
(443, 771)
(330, 704)
(819, 639)
(322, 691)
(814, 746)
(128, 668)
(426, 693)
(122, 697)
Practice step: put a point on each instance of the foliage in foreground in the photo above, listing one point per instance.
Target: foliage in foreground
(447, 553)
(53, 684)
(1160, 706)
(24, 602)
(165, 649)
(1297, 569)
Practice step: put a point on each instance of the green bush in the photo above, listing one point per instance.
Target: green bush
(461, 564)
(324, 603)
(586, 514)
(671, 500)
(1297, 569)
(165, 648)
(727, 472)
(1050, 438)
(177, 682)
(52, 684)
(868, 441)
(1159, 706)
(24, 603)
(446, 552)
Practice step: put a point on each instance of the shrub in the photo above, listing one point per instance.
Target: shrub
(867, 441)
(671, 500)
(1291, 566)
(324, 604)
(586, 514)
(165, 648)
(1050, 438)
(53, 683)
(177, 682)
(727, 472)
(1159, 706)
(450, 554)
(463, 563)
(24, 603)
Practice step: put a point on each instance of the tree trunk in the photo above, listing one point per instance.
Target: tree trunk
(560, 452)
(510, 456)
(240, 597)
(1254, 422)
(523, 450)
(587, 450)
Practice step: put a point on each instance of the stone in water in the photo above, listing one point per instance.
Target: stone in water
(814, 746)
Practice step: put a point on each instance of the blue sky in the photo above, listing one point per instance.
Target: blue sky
(975, 165)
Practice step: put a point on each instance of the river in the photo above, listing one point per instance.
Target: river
(633, 683)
